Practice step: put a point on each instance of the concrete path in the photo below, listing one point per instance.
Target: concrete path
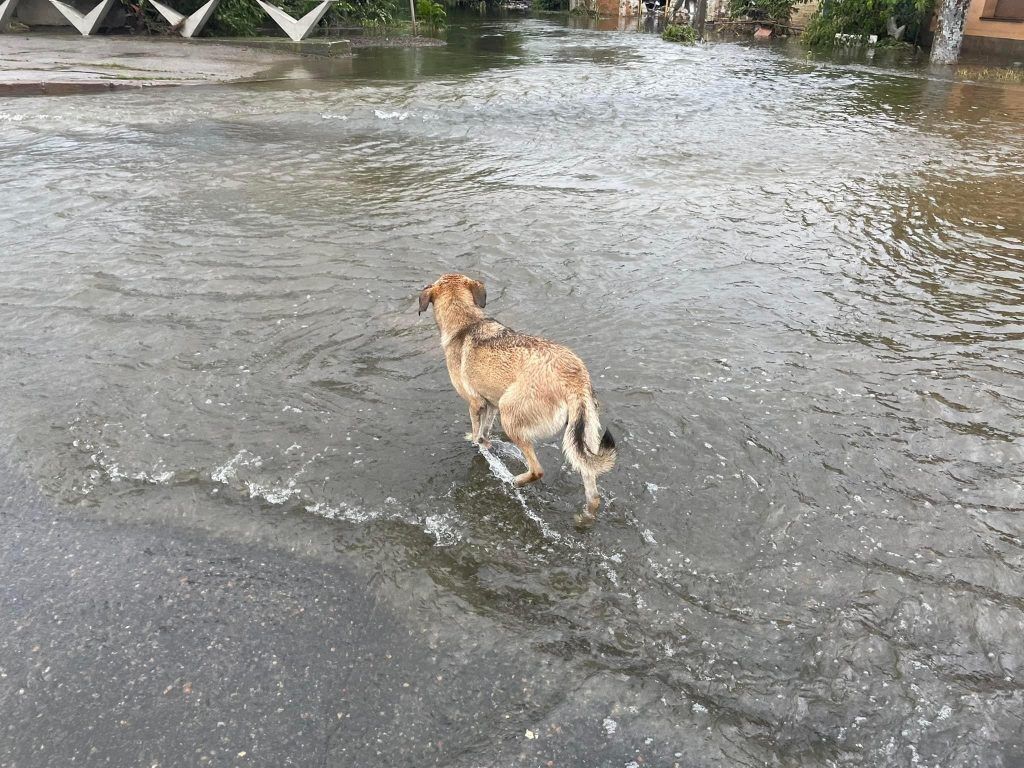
(32, 64)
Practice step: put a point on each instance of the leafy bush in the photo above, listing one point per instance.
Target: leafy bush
(430, 13)
(680, 33)
(241, 18)
(776, 10)
(864, 17)
(550, 5)
(368, 13)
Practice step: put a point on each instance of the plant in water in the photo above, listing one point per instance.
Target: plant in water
(992, 74)
(680, 33)
(430, 13)
(865, 17)
(774, 10)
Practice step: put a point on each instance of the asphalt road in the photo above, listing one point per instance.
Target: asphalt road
(149, 644)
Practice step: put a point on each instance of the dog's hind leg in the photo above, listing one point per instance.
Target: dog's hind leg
(589, 515)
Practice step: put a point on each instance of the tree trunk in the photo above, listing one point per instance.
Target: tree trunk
(700, 17)
(949, 30)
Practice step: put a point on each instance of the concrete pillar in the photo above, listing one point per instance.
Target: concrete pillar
(6, 12)
(187, 25)
(296, 29)
(86, 23)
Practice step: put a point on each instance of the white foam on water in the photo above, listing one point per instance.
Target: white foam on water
(504, 474)
(381, 115)
(157, 478)
(225, 472)
(610, 574)
(116, 474)
(111, 468)
(443, 528)
(343, 512)
(272, 494)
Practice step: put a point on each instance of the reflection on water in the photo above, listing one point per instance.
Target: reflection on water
(797, 285)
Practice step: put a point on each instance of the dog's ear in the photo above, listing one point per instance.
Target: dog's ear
(479, 293)
(426, 296)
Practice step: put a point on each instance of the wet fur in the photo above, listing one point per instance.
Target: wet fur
(536, 386)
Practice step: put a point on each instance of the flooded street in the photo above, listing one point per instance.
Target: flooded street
(797, 285)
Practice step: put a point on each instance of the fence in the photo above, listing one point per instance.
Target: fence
(186, 26)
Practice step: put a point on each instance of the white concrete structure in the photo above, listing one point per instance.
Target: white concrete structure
(187, 25)
(295, 29)
(33, 13)
(6, 12)
(84, 23)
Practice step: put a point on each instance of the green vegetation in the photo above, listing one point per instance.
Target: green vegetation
(430, 13)
(680, 33)
(366, 13)
(243, 18)
(550, 5)
(233, 18)
(865, 17)
(774, 10)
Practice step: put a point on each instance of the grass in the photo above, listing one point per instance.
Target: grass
(680, 33)
(992, 74)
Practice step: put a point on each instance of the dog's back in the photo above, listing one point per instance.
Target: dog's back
(494, 357)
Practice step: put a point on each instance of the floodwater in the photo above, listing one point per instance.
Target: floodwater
(797, 285)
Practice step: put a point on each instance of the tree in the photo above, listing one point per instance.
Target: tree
(700, 17)
(949, 30)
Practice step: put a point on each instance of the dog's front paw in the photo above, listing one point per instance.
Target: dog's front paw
(484, 443)
(469, 437)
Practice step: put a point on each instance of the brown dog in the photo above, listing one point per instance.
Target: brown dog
(537, 386)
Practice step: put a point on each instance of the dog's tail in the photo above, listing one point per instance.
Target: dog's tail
(582, 431)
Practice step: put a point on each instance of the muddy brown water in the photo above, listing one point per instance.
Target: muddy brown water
(797, 284)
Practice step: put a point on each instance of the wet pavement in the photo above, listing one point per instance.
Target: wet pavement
(132, 644)
(797, 284)
(58, 64)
